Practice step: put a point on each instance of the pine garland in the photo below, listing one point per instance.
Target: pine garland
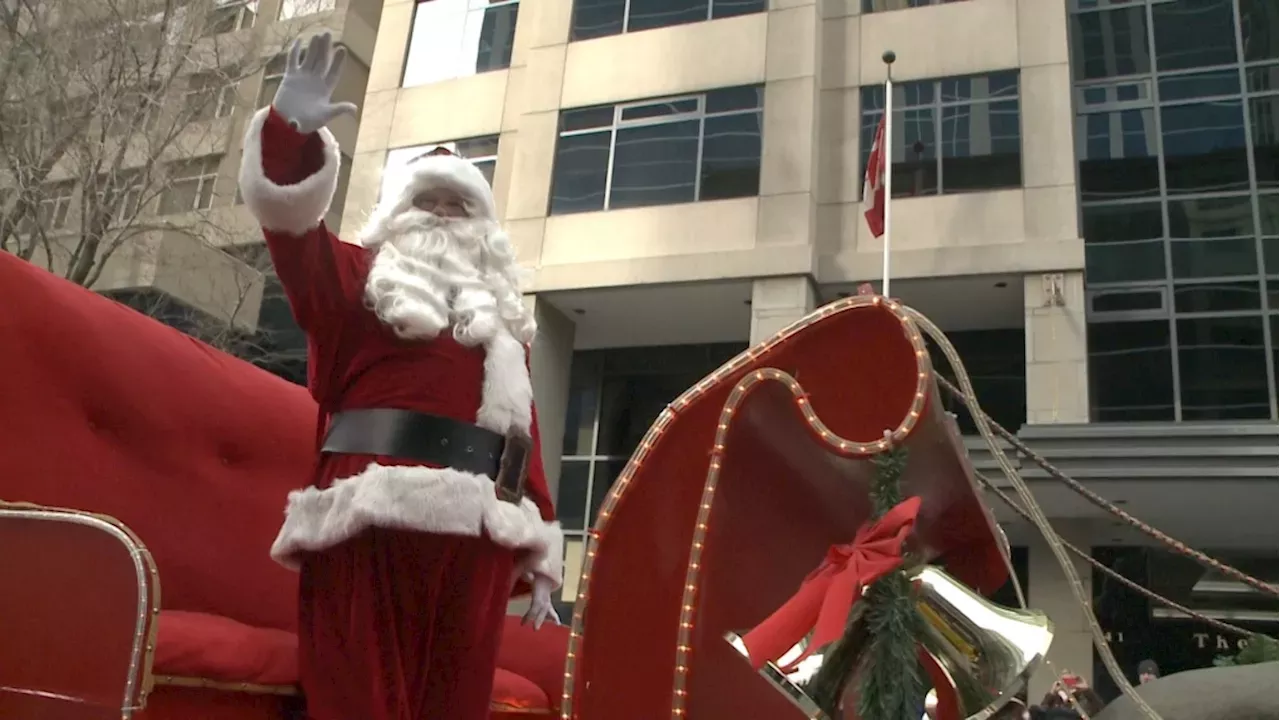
(883, 638)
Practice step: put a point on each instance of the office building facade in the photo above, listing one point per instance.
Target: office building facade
(1084, 199)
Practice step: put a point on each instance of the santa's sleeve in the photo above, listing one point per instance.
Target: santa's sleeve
(287, 180)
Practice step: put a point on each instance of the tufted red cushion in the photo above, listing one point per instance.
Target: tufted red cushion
(513, 692)
(110, 411)
(196, 645)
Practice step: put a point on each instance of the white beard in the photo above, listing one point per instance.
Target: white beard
(433, 273)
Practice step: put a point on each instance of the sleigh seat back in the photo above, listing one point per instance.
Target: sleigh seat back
(78, 605)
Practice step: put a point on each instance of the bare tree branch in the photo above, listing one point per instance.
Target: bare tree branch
(115, 120)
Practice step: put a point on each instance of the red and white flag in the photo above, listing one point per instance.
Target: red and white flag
(873, 199)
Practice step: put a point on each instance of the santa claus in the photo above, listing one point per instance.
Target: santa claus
(428, 508)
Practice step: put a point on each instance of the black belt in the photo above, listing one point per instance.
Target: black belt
(435, 440)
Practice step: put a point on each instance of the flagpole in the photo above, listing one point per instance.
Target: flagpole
(888, 57)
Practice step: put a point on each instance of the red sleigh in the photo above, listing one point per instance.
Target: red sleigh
(152, 596)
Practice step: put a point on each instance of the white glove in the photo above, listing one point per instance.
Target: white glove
(306, 90)
(541, 608)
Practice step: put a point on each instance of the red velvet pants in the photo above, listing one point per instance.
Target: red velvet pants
(402, 625)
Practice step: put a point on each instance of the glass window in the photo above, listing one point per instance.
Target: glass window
(996, 363)
(976, 121)
(1213, 237)
(870, 6)
(1223, 368)
(272, 74)
(481, 151)
(1123, 243)
(1118, 154)
(1258, 28)
(231, 15)
(1265, 122)
(1130, 371)
(457, 38)
(1194, 33)
(575, 476)
(1111, 43)
(600, 18)
(660, 152)
(209, 95)
(290, 9)
(1205, 147)
(52, 208)
(190, 185)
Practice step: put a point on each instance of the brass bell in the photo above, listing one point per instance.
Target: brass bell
(988, 651)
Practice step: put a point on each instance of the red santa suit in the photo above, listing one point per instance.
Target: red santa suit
(405, 568)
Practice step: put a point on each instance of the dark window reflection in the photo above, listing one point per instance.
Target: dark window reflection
(1223, 369)
(1130, 371)
(1194, 33)
(655, 165)
(1265, 122)
(606, 473)
(662, 152)
(581, 172)
(951, 135)
(1204, 147)
(1118, 155)
(996, 363)
(731, 149)
(1111, 43)
(600, 18)
(649, 14)
(1213, 237)
(571, 507)
(1123, 243)
(1258, 27)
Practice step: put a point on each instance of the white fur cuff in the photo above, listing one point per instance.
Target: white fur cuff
(549, 564)
(443, 501)
(292, 209)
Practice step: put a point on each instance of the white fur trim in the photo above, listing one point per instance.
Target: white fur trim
(293, 209)
(507, 396)
(442, 171)
(442, 501)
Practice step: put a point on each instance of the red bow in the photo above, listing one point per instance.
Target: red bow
(826, 596)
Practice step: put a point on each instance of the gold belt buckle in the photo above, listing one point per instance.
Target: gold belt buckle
(513, 469)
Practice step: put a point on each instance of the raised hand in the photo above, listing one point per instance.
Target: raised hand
(306, 90)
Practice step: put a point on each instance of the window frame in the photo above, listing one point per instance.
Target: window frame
(58, 195)
(220, 95)
(626, 20)
(324, 7)
(210, 166)
(619, 123)
(473, 8)
(1152, 80)
(243, 15)
(936, 106)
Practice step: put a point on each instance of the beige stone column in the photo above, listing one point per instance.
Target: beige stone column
(1048, 591)
(1057, 348)
(778, 302)
(550, 360)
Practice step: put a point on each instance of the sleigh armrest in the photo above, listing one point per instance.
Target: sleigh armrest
(77, 613)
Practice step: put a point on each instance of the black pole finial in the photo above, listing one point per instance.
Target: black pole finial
(888, 57)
